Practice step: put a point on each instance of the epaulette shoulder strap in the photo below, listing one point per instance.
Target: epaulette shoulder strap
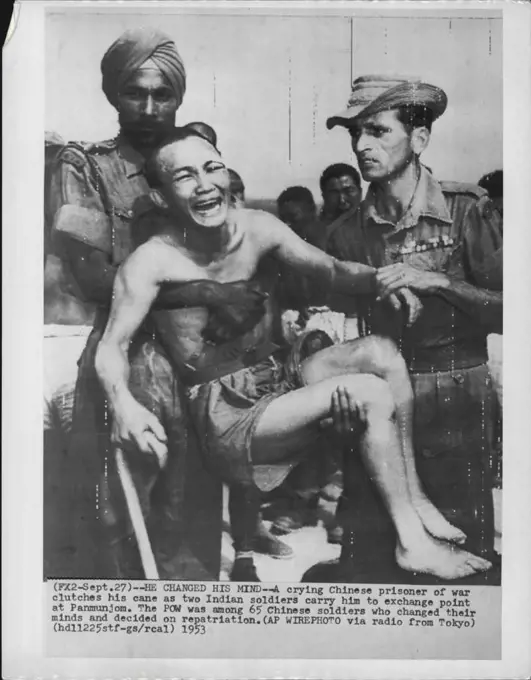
(463, 188)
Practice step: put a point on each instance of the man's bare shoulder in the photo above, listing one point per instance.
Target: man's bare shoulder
(264, 227)
(156, 261)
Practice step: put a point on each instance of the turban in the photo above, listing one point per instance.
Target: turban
(373, 94)
(132, 49)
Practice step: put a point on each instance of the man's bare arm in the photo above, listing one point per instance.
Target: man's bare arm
(351, 278)
(135, 288)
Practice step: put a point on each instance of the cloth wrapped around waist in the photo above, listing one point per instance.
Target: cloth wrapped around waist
(234, 308)
(238, 331)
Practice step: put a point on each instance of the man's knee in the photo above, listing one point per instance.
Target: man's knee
(376, 398)
(383, 353)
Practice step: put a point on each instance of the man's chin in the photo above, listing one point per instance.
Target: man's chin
(144, 136)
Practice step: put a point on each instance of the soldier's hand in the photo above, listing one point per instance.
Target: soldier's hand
(412, 304)
(395, 276)
(345, 413)
(133, 426)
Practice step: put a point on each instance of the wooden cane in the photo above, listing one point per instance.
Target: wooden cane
(137, 518)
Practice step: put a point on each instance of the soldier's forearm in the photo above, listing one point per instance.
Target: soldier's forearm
(486, 306)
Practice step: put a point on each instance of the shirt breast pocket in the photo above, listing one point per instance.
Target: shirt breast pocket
(435, 255)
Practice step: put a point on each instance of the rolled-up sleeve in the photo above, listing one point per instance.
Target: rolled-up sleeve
(483, 245)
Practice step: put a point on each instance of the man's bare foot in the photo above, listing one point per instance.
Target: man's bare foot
(441, 559)
(434, 521)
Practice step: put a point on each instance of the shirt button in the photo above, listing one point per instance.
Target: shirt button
(459, 379)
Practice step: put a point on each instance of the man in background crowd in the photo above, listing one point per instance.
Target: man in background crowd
(340, 186)
(264, 541)
(237, 189)
(296, 208)
(493, 185)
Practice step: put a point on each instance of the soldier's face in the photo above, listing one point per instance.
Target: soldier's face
(147, 106)
(195, 182)
(340, 194)
(383, 146)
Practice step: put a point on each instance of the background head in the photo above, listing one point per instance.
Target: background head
(144, 78)
(296, 207)
(493, 184)
(341, 189)
(188, 178)
(237, 189)
(204, 130)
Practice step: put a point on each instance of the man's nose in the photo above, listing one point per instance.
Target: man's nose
(149, 106)
(204, 183)
(361, 143)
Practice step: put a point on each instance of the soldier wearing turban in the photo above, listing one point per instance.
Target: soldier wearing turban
(97, 188)
(141, 48)
(442, 240)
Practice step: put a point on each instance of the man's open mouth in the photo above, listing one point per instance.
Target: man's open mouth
(207, 208)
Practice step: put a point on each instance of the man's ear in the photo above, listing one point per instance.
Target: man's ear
(420, 138)
(158, 199)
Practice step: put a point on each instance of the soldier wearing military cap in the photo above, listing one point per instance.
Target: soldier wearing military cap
(443, 240)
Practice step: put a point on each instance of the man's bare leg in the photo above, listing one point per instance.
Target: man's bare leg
(380, 357)
(287, 420)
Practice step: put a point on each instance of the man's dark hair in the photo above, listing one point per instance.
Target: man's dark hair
(339, 170)
(205, 131)
(493, 183)
(415, 116)
(236, 183)
(177, 134)
(297, 194)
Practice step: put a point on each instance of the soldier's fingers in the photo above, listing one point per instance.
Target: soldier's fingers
(336, 411)
(345, 409)
(141, 442)
(394, 302)
(353, 412)
(156, 428)
(157, 447)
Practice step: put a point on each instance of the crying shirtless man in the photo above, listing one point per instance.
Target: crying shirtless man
(255, 413)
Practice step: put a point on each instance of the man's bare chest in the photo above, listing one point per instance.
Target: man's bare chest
(239, 263)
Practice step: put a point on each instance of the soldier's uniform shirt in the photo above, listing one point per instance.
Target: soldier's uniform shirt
(99, 185)
(451, 228)
(98, 188)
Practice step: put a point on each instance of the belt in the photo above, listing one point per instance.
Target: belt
(448, 358)
(249, 357)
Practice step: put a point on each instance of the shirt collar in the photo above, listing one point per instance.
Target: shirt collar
(134, 162)
(345, 217)
(428, 202)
